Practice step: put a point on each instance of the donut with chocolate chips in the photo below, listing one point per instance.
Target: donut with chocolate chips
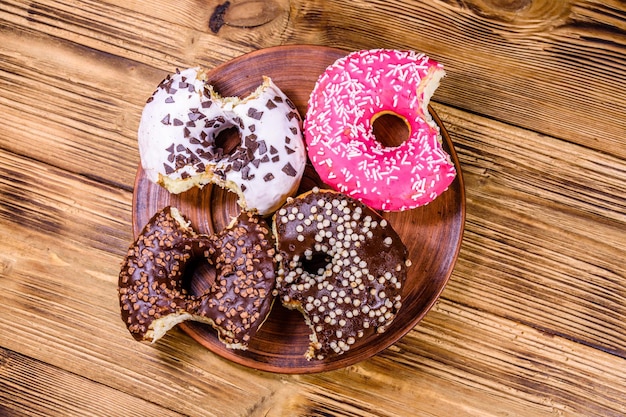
(341, 265)
(152, 292)
(180, 145)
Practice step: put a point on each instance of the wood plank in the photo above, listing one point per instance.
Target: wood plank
(523, 89)
(502, 359)
(29, 387)
(91, 111)
(59, 273)
(85, 219)
(160, 36)
(556, 68)
(537, 57)
(432, 359)
(532, 321)
(534, 204)
(599, 218)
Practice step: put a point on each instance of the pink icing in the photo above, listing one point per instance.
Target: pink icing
(340, 139)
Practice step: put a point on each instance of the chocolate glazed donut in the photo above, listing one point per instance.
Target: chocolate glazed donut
(152, 293)
(341, 265)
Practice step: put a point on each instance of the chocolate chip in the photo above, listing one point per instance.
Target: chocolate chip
(238, 122)
(166, 120)
(262, 147)
(289, 170)
(245, 172)
(169, 100)
(289, 150)
(254, 113)
(268, 177)
(168, 169)
(194, 115)
(178, 122)
(270, 105)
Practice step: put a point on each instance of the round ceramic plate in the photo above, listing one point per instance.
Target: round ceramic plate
(431, 233)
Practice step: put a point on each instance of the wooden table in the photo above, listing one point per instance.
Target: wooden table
(533, 319)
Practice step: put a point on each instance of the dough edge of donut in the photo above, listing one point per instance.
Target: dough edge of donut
(178, 186)
(159, 327)
(201, 179)
(314, 344)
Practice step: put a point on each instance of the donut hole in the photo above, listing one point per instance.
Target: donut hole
(198, 277)
(316, 263)
(228, 140)
(390, 130)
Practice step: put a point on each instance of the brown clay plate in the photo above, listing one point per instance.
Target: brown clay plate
(431, 233)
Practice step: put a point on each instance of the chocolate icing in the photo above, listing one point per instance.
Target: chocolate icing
(152, 293)
(341, 265)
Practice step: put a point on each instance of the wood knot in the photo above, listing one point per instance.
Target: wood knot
(216, 21)
(244, 14)
(520, 12)
(509, 6)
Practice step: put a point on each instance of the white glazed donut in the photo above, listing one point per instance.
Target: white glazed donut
(182, 119)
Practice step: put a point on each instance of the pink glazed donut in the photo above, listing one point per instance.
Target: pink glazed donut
(345, 102)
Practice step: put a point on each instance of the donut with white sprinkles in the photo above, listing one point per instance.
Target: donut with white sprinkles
(341, 265)
(338, 128)
(178, 147)
(152, 292)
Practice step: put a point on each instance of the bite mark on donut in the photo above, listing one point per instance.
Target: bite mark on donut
(341, 265)
(346, 99)
(152, 292)
(180, 146)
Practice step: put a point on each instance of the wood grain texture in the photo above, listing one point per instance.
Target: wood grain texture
(532, 321)
(432, 233)
(30, 387)
(549, 55)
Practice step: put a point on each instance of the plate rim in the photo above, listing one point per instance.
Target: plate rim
(190, 328)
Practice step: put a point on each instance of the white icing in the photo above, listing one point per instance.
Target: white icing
(186, 113)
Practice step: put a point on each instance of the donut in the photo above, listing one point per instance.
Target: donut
(341, 265)
(178, 144)
(346, 100)
(152, 289)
